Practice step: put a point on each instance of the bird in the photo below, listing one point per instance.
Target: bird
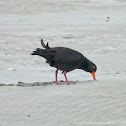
(65, 59)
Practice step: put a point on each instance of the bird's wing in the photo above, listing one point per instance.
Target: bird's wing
(68, 59)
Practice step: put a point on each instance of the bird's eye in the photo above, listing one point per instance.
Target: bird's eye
(94, 67)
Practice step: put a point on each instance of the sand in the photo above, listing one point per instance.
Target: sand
(28, 95)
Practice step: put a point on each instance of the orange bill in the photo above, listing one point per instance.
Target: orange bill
(93, 74)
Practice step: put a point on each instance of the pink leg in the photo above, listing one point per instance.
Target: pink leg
(56, 78)
(66, 78)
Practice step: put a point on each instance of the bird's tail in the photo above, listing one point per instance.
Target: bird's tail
(38, 51)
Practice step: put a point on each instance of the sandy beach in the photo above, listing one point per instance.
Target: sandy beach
(28, 94)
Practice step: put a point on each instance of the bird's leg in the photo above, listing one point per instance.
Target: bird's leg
(66, 78)
(56, 78)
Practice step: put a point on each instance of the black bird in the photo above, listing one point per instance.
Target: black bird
(65, 59)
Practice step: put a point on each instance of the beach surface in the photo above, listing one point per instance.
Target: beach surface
(28, 94)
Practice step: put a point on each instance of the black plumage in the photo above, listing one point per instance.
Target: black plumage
(65, 59)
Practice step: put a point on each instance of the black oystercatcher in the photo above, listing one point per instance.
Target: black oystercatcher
(65, 59)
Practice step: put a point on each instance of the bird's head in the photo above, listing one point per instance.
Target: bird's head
(89, 67)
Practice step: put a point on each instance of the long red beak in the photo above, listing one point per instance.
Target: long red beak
(93, 74)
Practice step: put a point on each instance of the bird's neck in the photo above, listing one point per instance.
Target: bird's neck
(86, 65)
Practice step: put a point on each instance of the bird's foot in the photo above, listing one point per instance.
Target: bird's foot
(57, 83)
(69, 83)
